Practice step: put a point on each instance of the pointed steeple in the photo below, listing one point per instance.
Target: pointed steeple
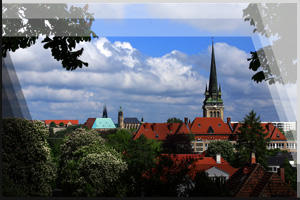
(104, 112)
(219, 87)
(213, 82)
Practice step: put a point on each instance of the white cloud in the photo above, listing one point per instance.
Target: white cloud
(117, 74)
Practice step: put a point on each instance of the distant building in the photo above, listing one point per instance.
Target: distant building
(207, 130)
(58, 121)
(285, 126)
(277, 162)
(128, 122)
(101, 124)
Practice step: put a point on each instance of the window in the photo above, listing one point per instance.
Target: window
(199, 144)
(199, 125)
(156, 136)
(210, 130)
(218, 114)
(277, 135)
(219, 125)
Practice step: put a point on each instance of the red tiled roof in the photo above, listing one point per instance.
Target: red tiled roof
(89, 123)
(204, 163)
(58, 121)
(159, 131)
(256, 182)
(273, 132)
(201, 125)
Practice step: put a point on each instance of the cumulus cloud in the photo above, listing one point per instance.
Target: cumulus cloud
(157, 87)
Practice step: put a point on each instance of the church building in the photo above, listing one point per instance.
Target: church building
(213, 103)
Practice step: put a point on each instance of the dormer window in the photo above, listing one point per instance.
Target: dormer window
(219, 125)
(199, 125)
(210, 130)
(277, 135)
(156, 136)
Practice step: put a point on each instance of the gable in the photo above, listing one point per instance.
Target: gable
(215, 171)
(201, 125)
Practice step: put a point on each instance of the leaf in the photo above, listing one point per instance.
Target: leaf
(258, 77)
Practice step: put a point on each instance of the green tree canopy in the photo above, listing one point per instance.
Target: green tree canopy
(89, 167)
(26, 161)
(61, 124)
(52, 124)
(174, 120)
(225, 148)
(120, 140)
(251, 138)
(61, 27)
(177, 144)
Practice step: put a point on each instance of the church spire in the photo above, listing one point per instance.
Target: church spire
(104, 112)
(213, 82)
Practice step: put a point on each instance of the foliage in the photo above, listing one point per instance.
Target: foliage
(167, 178)
(140, 155)
(26, 158)
(291, 135)
(89, 167)
(203, 186)
(290, 174)
(251, 138)
(274, 152)
(52, 124)
(225, 148)
(61, 124)
(120, 140)
(268, 20)
(177, 144)
(62, 30)
(174, 120)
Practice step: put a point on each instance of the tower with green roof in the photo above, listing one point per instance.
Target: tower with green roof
(213, 103)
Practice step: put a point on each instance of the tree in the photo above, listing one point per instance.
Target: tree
(251, 138)
(225, 148)
(277, 61)
(27, 163)
(140, 155)
(204, 186)
(168, 178)
(177, 144)
(89, 167)
(61, 28)
(290, 174)
(120, 140)
(52, 124)
(61, 124)
(174, 120)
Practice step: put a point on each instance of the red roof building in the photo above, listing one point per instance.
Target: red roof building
(58, 121)
(252, 180)
(159, 131)
(89, 123)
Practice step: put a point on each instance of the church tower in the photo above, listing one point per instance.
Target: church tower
(120, 118)
(213, 103)
(104, 115)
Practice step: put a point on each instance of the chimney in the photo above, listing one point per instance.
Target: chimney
(218, 158)
(280, 173)
(146, 126)
(154, 127)
(171, 127)
(228, 120)
(185, 120)
(253, 159)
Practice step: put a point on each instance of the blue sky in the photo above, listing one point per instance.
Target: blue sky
(153, 63)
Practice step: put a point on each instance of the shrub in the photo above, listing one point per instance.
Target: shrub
(89, 167)
(26, 158)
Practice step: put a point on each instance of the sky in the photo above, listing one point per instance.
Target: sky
(154, 61)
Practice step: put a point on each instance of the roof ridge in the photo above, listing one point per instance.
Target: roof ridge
(266, 183)
(247, 180)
